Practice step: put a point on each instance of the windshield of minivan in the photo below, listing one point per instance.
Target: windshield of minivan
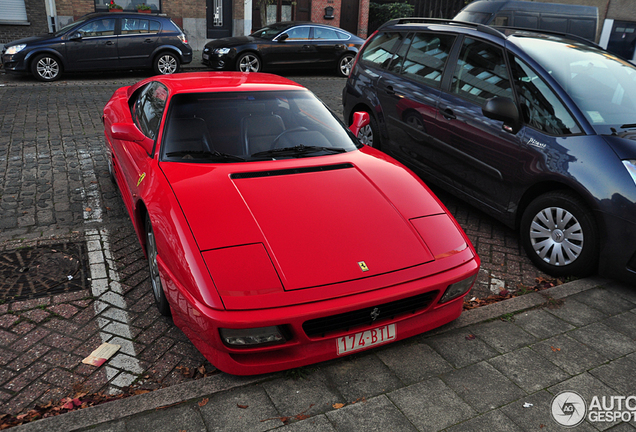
(68, 27)
(474, 17)
(602, 85)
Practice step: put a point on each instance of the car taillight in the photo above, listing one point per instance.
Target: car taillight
(183, 38)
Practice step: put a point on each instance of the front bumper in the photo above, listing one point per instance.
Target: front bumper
(14, 63)
(218, 62)
(201, 324)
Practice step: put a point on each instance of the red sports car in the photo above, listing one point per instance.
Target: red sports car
(274, 238)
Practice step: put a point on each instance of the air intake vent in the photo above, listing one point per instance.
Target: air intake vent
(290, 171)
(363, 317)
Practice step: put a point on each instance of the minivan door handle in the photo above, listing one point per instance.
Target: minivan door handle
(389, 90)
(448, 114)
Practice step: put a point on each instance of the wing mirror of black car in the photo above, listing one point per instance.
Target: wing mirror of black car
(282, 37)
(505, 110)
(360, 120)
(130, 132)
(75, 36)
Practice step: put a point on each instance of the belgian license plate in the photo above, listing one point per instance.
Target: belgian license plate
(366, 339)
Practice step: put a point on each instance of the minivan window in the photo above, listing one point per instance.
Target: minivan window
(541, 109)
(481, 72)
(426, 57)
(380, 49)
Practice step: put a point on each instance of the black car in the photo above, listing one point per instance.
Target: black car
(285, 45)
(101, 41)
(537, 129)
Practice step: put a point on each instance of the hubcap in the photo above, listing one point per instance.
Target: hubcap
(152, 264)
(249, 64)
(48, 68)
(345, 65)
(365, 135)
(556, 236)
(167, 65)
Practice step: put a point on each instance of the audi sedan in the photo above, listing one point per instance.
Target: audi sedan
(273, 237)
(101, 41)
(285, 45)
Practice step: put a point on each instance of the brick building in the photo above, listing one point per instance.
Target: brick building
(200, 19)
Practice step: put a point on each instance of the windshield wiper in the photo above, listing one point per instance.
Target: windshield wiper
(205, 154)
(628, 126)
(298, 150)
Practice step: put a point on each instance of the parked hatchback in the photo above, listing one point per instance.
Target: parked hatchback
(536, 129)
(101, 41)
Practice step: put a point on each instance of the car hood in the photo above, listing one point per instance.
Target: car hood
(230, 42)
(317, 224)
(623, 144)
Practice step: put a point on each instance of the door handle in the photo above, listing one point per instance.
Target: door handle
(148, 41)
(389, 90)
(109, 43)
(448, 114)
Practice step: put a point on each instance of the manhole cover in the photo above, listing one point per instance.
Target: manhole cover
(42, 271)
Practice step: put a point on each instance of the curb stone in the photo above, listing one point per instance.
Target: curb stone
(122, 408)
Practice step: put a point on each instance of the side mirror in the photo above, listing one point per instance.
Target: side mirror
(505, 110)
(360, 120)
(282, 37)
(130, 132)
(75, 36)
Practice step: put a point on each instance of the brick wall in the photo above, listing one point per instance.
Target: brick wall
(36, 15)
(318, 11)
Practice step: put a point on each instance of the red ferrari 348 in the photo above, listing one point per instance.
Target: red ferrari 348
(274, 238)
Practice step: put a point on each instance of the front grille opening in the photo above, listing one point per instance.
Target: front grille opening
(364, 317)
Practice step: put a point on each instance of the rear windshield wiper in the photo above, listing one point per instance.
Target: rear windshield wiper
(298, 150)
(205, 154)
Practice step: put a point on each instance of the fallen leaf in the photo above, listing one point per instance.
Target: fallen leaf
(242, 406)
(203, 402)
(338, 405)
(470, 337)
(555, 349)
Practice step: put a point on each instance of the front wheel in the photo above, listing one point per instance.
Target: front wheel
(559, 234)
(248, 62)
(345, 64)
(46, 68)
(166, 63)
(155, 280)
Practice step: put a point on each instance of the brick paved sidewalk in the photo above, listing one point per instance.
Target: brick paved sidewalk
(56, 189)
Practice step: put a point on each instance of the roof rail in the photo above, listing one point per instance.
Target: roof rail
(551, 32)
(419, 20)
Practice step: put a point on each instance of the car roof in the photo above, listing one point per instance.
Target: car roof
(203, 82)
(120, 14)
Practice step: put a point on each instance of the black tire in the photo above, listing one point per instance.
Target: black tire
(46, 67)
(166, 63)
(370, 135)
(111, 170)
(559, 234)
(345, 64)
(155, 281)
(248, 62)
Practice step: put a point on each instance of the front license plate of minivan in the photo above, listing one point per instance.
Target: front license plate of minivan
(366, 339)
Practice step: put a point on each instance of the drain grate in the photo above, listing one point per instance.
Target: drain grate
(42, 271)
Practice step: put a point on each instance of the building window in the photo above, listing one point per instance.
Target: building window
(13, 12)
(128, 5)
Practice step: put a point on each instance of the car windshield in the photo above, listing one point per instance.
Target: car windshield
(602, 85)
(270, 31)
(251, 126)
(69, 26)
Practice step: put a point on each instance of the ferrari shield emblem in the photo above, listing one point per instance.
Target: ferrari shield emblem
(363, 266)
(142, 176)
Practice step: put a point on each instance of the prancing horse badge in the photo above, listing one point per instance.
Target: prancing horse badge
(363, 266)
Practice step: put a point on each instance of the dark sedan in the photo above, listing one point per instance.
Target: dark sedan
(285, 45)
(101, 41)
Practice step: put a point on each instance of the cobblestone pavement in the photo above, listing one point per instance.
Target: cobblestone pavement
(55, 187)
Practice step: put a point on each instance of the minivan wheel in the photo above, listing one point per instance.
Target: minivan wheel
(155, 280)
(345, 64)
(46, 68)
(369, 135)
(559, 234)
(166, 63)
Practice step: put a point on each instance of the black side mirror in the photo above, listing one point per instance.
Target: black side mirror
(76, 36)
(505, 110)
(282, 37)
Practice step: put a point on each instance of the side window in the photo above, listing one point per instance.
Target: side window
(342, 36)
(298, 33)
(101, 27)
(148, 109)
(540, 108)
(380, 49)
(426, 57)
(481, 72)
(154, 26)
(325, 33)
(134, 26)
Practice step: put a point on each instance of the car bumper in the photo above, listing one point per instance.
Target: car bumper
(13, 63)
(201, 324)
(217, 62)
